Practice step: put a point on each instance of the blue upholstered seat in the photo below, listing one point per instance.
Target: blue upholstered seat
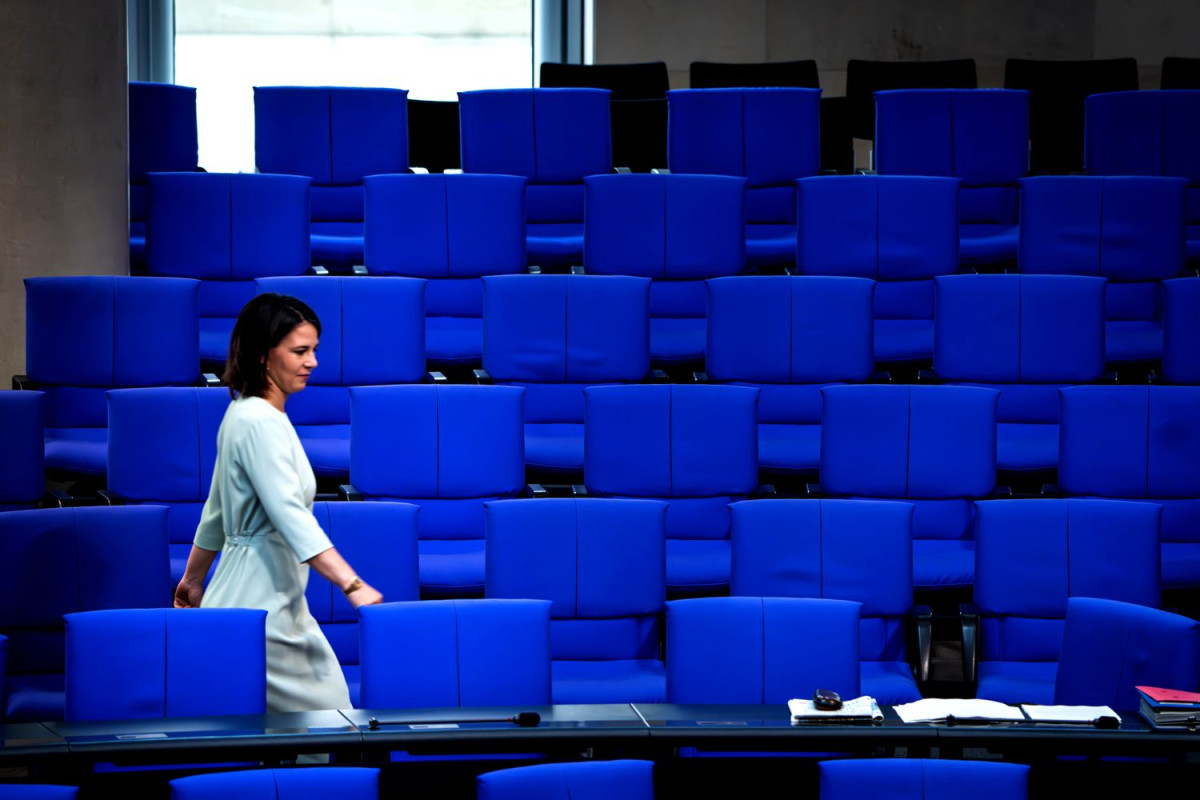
(335, 135)
(602, 563)
(900, 231)
(162, 138)
(770, 136)
(37, 791)
(450, 230)
(788, 337)
(1181, 331)
(1024, 335)
(22, 439)
(627, 779)
(676, 230)
(922, 779)
(348, 783)
(556, 334)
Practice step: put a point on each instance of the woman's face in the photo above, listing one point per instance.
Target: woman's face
(290, 362)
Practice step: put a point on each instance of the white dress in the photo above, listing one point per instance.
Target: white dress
(259, 515)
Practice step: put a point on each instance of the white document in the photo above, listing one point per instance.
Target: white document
(933, 709)
(863, 707)
(1085, 714)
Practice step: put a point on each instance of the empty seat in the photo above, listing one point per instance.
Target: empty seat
(450, 230)
(554, 138)
(1129, 230)
(676, 230)
(602, 563)
(1181, 331)
(978, 135)
(768, 136)
(334, 135)
(349, 783)
(631, 780)
(86, 335)
(162, 138)
(372, 333)
(22, 442)
(660, 442)
(865, 78)
(788, 337)
(554, 335)
(1024, 335)
(900, 231)
(933, 446)
(922, 779)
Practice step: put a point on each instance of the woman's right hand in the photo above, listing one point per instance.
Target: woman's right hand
(188, 594)
(365, 595)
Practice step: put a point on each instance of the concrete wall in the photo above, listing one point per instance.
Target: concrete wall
(63, 175)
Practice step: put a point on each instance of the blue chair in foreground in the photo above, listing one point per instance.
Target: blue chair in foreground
(602, 563)
(922, 779)
(676, 230)
(553, 138)
(1025, 336)
(37, 791)
(760, 649)
(70, 559)
(845, 550)
(932, 446)
(788, 337)
(1031, 557)
(372, 333)
(457, 447)
(22, 439)
(349, 783)
(660, 442)
(449, 653)
(628, 779)
(898, 230)
(335, 136)
(1181, 331)
(450, 230)
(151, 663)
(555, 335)
(86, 335)
(1110, 647)
(980, 136)
(769, 136)
(162, 138)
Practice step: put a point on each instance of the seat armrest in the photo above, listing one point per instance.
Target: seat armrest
(699, 377)
(579, 490)
(535, 490)
(317, 269)
(418, 171)
(23, 383)
(880, 376)
(765, 490)
(968, 614)
(110, 498)
(658, 376)
(622, 170)
(436, 377)
(927, 376)
(1002, 492)
(660, 171)
(813, 490)
(534, 269)
(1051, 490)
(923, 622)
(348, 493)
(359, 270)
(453, 171)
(577, 269)
(481, 377)
(208, 380)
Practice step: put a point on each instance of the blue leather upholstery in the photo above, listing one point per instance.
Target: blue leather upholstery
(898, 230)
(22, 439)
(788, 337)
(1181, 331)
(450, 230)
(978, 135)
(149, 663)
(769, 136)
(1139, 443)
(934, 446)
(1129, 230)
(162, 450)
(1109, 647)
(760, 649)
(555, 335)
(335, 135)
(33, 791)
(380, 539)
(162, 138)
(553, 138)
(348, 783)
(85, 335)
(453, 448)
(434, 653)
(226, 230)
(660, 442)
(1024, 335)
(71, 559)
(1032, 555)
(1147, 133)
(676, 230)
(602, 563)
(841, 549)
(372, 332)
(586, 780)
(922, 779)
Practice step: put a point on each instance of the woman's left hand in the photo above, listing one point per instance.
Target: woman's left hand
(188, 594)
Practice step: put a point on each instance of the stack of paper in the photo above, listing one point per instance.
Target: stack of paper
(933, 709)
(859, 709)
(1169, 707)
(1076, 714)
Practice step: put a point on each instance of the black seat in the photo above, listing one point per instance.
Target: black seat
(864, 78)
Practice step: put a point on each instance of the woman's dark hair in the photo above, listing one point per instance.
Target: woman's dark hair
(260, 326)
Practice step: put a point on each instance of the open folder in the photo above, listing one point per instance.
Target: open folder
(933, 709)
(860, 709)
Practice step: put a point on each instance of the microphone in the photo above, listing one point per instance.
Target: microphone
(525, 719)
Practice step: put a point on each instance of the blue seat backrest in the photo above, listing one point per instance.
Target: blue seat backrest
(770, 136)
(601, 562)
(22, 468)
(162, 136)
(349, 783)
(86, 334)
(335, 135)
(1181, 331)
(456, 653)
(154, 663)
(1019, 328)
(760, 649)
(1032, 555)
(629, 779)
(920, 778)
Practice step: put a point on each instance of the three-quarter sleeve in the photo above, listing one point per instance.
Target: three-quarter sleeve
(265, 452)
(210, 533)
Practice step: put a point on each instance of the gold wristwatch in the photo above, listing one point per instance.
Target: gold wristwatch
(353, 586)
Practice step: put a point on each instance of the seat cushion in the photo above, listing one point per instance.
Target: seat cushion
(986, 243)
(1132, 340)
(336, 251)
(674, 340)
(903, 339)
(80, 450)
(554, 446)
(215, 333)
(451, 567)
(889, 682)
(618, 681)
(1026, 446)
(1017, 681)
(770, 245)
(943, 563)
(328, 449)
(453, 340)
(789, 447)
(1181, 565)
(697, 564)
(35, 698)
(554, 243)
